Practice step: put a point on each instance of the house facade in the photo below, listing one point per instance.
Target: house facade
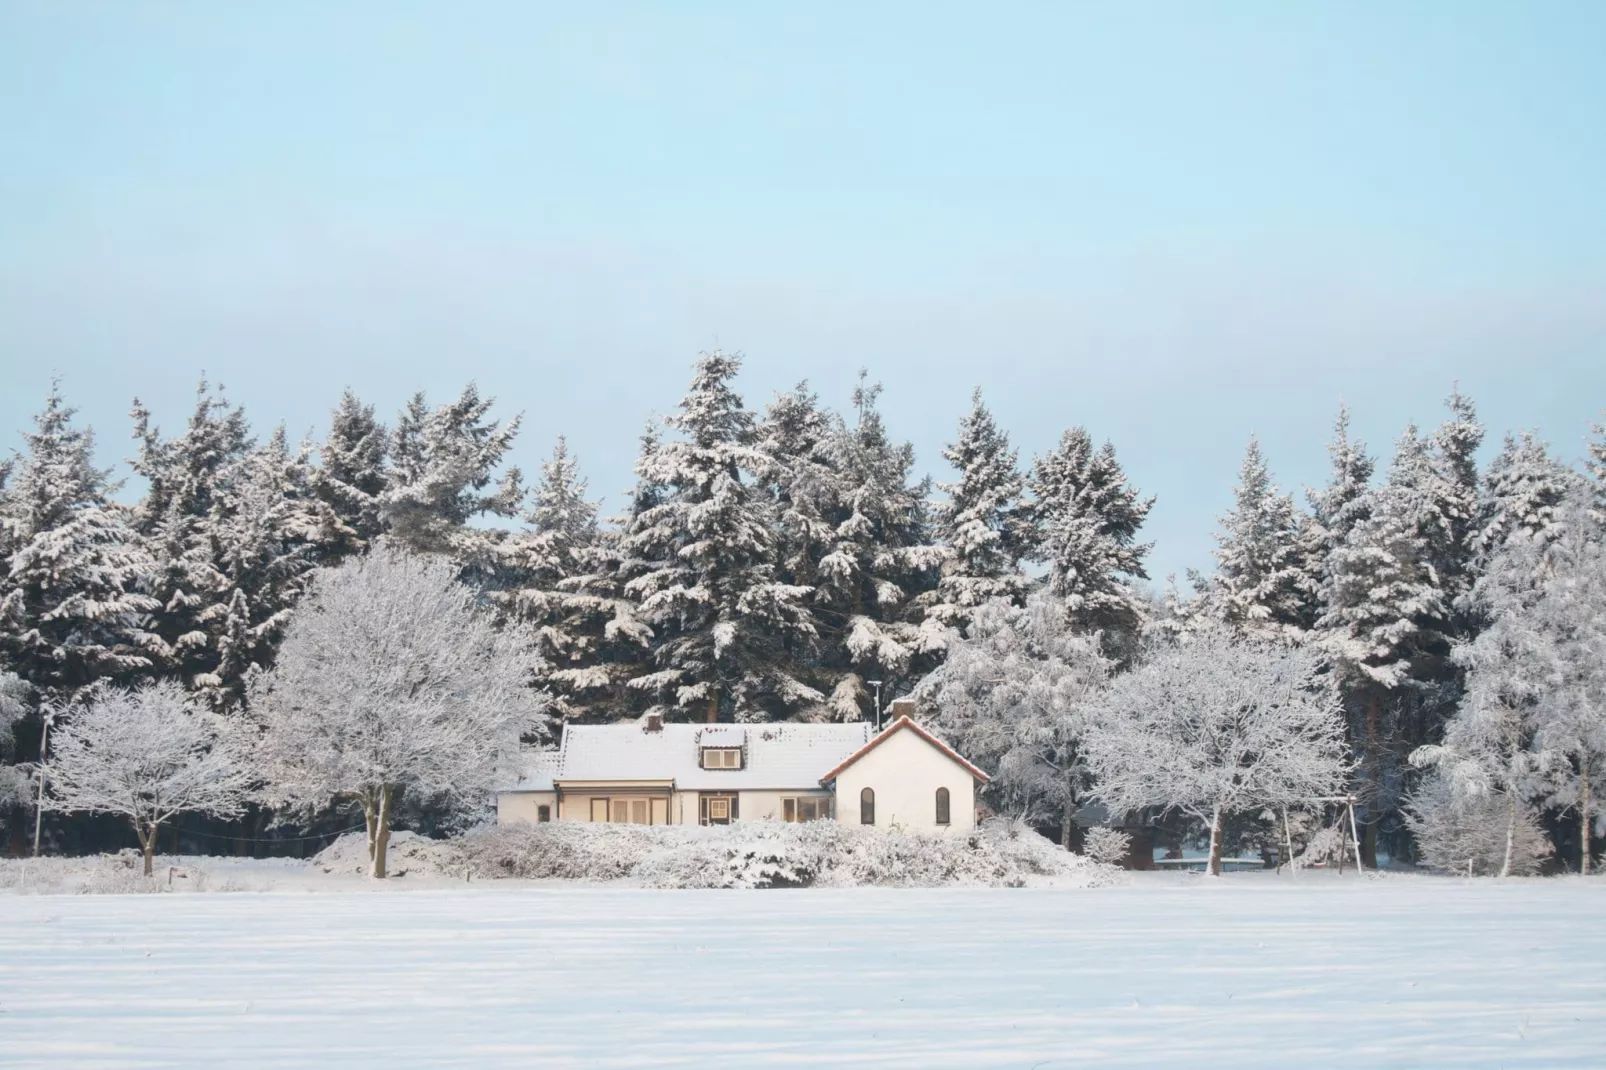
(651, 773)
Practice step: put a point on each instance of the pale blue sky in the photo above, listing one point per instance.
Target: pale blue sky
(1175, 223)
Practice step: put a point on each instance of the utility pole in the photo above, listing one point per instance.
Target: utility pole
(877, 685)
(39, 808)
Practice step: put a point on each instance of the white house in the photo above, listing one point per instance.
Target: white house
(651, 773)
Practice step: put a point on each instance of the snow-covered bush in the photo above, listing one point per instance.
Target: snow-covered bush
(1108, 846)
(770, 854)
(121, 873)
(564, 850)
(1453, 828)
(408, 852)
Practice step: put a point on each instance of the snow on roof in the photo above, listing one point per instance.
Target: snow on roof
(775, 756)
(722, 735)
(898, 725)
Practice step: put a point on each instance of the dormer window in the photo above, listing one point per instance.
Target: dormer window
(722, 757)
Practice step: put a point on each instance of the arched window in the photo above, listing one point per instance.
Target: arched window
(867, 807)
(942, 806)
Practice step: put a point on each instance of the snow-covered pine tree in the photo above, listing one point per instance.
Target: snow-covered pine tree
(269, 529)
(724, 622)
(443, 461)
(619, 640)
(351, 475)
(879, 561)
(188, 480)
(1525, 488)
(1596, 466)
(1380, 603)
(186, 472)
(1451, 509)
(1087, 518)
(1256, 588)
(72, 609)
(984, 524)
(15, 701)
(545, 564)
(1334, 512)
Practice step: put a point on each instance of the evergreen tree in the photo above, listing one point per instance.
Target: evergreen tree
(1334, 512)
(879, 561)
(721, 616)
(185, 473)
(984, 524)
(1527, 489)
(1087, 519)
(1452, 509)
(351, 476)
(1257, 585)
(269, 529)
(1381, 603)
(71, 608)
(1596, 466)
(441, 475)
(547, 563)
(188, 481)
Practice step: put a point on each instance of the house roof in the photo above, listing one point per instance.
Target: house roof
(897, 726)
(775, 756)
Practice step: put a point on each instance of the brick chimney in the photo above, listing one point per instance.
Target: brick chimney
(903, 707)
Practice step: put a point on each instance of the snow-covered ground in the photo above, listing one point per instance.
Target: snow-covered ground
(1246, 970)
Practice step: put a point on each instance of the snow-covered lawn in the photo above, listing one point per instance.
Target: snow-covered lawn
(1247, 970)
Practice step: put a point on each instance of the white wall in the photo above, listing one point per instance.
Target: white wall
(515, 806)
(905, 772)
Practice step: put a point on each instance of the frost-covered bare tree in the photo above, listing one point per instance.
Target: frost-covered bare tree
(148, 754)
(391, 678)
(1014, 695)
(1459, 832)
(1572, 719)
(1217, 726)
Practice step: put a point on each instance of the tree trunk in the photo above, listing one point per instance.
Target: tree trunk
(1070, 818)
(1584, 823)
(147, 842)
(1216, 829)
(382, 832)
(713, 703)
(368, 820)
(1511, 834)
(1368, 844)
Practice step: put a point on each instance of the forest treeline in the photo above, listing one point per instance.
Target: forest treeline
(778, 564)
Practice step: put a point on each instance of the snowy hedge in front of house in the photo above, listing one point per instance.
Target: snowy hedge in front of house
(771, 854)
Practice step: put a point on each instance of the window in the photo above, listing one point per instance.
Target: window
(867, 807)
(630, 811)
(806, 808)
(942, 806)
(543, 814)
(722, 757)
(716, 809)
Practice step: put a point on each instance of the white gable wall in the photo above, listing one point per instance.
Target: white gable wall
(905, 772)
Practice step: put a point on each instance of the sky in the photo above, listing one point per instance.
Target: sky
(1176, 224)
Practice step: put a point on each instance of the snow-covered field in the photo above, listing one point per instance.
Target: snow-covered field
(1246, 970)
